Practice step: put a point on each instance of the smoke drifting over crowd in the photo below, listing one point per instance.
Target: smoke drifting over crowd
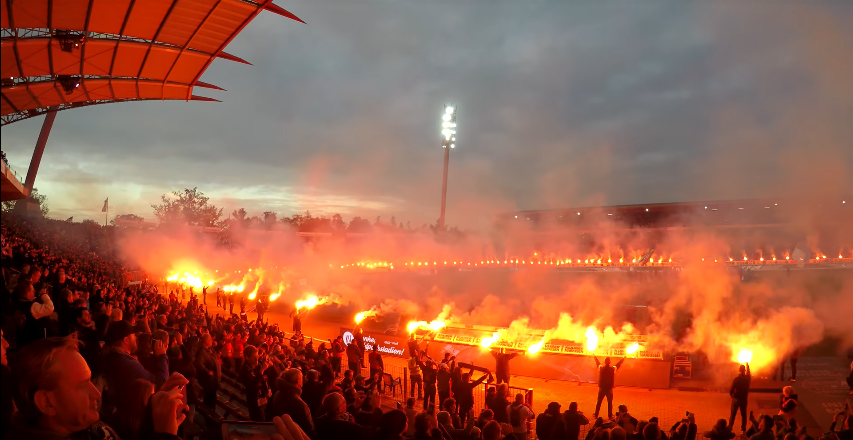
(501, 279)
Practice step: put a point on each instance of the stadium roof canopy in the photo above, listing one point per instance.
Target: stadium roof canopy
(60, 54)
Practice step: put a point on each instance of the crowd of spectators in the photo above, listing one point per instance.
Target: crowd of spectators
(92, 357)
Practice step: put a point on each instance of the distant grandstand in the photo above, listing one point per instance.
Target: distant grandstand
(755, 213)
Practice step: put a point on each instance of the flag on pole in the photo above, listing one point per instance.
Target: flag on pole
(106, 205)
(70, 219)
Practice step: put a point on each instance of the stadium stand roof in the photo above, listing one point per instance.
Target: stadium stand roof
(60, 54)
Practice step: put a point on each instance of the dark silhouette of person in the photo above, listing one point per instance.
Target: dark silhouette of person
(606, 382)
(502, 359)
(740, 395)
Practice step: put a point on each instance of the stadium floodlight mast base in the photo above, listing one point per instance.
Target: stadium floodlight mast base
(448, 142)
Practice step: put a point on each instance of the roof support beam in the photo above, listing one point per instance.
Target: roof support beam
(39, 150)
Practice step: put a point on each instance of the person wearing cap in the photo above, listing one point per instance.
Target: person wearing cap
(550, 424)
(121, 368)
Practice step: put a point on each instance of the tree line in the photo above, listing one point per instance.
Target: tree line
(190, 206)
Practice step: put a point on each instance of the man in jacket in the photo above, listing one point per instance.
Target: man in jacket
(606, 382)
(574, 420)
(209, 371)
(429, 372)
(550, 424)
(417, 380)
(337, 355)
(252, 378)
(465, 397)
(288, 400)
(122, 369)
(502, 359)
(740, 395)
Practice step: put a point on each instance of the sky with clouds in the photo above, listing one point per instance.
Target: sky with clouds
(561, 103)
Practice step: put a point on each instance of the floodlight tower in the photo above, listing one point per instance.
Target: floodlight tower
(448, 142)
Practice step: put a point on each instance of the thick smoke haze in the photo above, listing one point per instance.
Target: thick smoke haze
(701, 305)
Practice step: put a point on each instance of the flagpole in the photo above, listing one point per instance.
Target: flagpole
(107, 211)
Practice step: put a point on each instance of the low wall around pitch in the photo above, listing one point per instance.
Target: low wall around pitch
(645, 373)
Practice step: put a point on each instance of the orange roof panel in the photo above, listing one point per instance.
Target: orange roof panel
(115, 49)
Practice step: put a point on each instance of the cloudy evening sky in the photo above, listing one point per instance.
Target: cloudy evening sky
(561, 103)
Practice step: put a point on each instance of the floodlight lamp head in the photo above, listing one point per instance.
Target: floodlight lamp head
(449, 110)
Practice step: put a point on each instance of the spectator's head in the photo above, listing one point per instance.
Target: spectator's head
(503, 390)
(651, 431)
(602, 434)
(573, 407)
(334, 404)
(492, 431)
(54, 389)
(788, 391)
(618, 433)
(721, 425)
(348, 374)
(449, 405)
(160, 335)
(250, 354)
(553, 409)
(466, 377)
(423, 423)
(519, 399)
(486, 415)
(765, 423)
(120, 335)
(393, 423)
(82, 316)
(607, 360)
(313, 375)
(623, 409)
(741, 369)
(25, 290)
(293, 376)
(116, 315)
(443, 418)
(790, 436)
(410, 402)
(35, 274)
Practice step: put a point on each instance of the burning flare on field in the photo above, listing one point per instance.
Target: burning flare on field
(309, 303)
(744, 356)
(534, 348)
(635, 347)
(591, 339)
(431, 326)
(487, 342)
(366, 314)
